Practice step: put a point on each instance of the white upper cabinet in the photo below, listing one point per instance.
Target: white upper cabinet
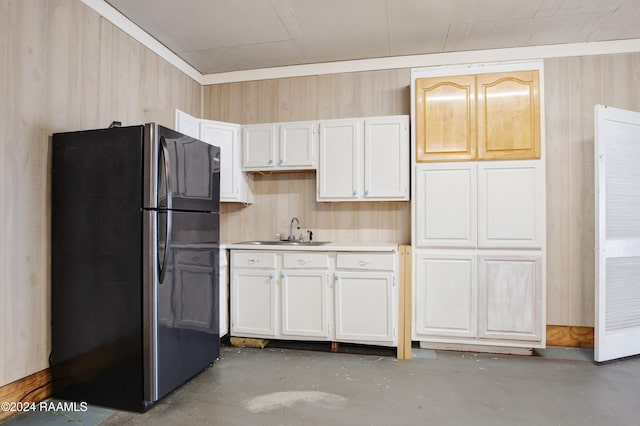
(511, 204)
(187, 124)
(297, 145)
(364, 159)
(446, 205)
(386, 158)
(279, 146)
(339, 160)
(234, 186)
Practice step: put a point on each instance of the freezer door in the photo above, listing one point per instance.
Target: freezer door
(183, 301)
(182, 173)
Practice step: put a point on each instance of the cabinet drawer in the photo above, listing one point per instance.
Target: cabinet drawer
(194, 257)
(366, 261)
(305, 260)
(253, 260)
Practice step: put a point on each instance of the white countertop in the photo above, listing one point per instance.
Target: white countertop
(381, 247)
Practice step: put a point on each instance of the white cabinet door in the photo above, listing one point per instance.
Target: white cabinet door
(187, 124)
(365, 307)
(510, 297)
(445, 294)
(386, 158)
(233, 182)
(446, 205)
(339, 162)
(259, 146)
(304, 304)
(253, 302)
(511, 204)
(297, 145)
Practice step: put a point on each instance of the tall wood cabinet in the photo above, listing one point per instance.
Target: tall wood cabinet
(478, 206)
(489, 116)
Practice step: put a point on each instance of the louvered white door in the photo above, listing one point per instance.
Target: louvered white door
(617, 181)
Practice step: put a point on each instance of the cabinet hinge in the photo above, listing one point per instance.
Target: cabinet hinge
(394, 281)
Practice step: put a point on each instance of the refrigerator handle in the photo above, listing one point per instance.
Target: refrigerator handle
(167, 244)
(167, 171)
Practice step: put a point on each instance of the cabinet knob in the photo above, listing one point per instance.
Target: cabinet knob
(303, 261)
(364, 262)
(252, 261)
(366, 192)
(283, 275)
(270, 161)
(281, 161)
(336, 277)
(354, 193)
(271, 276)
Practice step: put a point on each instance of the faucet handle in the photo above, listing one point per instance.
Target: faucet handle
(310, 234)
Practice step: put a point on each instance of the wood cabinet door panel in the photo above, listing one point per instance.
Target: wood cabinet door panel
(510, 297)
(339, 160)
(445, 118)
(304, 304)
(508, 115)
(259, 146)
(253, 302)
(364, 307)
(446, 213)
(445, 295)
(297, 147)
(511, 204)
(386, 169)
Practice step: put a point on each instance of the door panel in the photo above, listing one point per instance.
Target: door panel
(446, 205)
(304, 303)
(445, 295)
(386, 169)
(510, 297)
(339, 162)
(511, 204)
(445, 118)
(617, 152)
(508, 115)
(364, 306)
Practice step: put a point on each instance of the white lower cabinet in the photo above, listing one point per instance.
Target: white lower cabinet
(445, 295)
(364, 307)
(304, 304)
(510, 296)
(320, 296)
(253, 294)
(479, 297)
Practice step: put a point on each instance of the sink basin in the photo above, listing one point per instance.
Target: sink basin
(284, 243)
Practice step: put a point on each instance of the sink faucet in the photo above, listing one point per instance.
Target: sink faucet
(291, 236)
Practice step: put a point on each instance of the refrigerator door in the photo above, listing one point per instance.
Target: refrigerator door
(182, 173)
(181, 299)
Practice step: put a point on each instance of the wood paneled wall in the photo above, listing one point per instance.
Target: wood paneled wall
(62, 67)
(573, 87)
(281, 196)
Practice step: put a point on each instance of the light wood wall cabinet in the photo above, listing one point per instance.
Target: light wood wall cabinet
(279, 146)
(364, 159)
(492, 116)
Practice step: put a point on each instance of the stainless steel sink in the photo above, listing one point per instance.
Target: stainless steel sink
(284, 243)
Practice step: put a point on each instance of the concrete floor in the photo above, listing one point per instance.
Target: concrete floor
(276, 386)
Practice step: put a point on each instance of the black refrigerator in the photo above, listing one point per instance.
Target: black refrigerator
(134, 260)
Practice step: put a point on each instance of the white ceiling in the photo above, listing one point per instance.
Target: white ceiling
(217, 36)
